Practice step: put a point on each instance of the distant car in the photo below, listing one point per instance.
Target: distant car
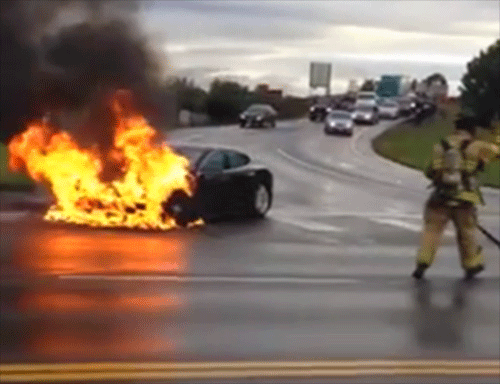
(226, 182)
(318, 112)
(259, 115)
(346, 104)
(389, 109)
(407, 106)
(366, 114)
(366, 99)
(339, 121)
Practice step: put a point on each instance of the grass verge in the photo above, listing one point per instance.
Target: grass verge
(411, 145)
(10, 181)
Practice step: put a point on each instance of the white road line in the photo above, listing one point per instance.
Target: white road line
(354, 141)
(13, 215)
(393, 164)
(406, 225)
(214, 279)
(347, 165)
(307, 213)
(308, 225)
(399, 223)
(389, 215)
(302, 163)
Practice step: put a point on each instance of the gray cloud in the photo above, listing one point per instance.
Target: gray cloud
(415, 15)
(275, 41)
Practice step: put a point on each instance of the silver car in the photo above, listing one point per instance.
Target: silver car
(366, 114)
(389, 109)
(339, 121)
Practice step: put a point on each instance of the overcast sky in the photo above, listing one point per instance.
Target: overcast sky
(274, 41)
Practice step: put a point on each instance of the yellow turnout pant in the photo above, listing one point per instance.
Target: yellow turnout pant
(464, 217)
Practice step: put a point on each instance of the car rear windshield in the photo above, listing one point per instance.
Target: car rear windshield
(339, 115)
(365, 109)
(193, 154)
(257, 108)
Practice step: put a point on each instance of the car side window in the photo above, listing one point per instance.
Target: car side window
(215, 162)
(237, 159)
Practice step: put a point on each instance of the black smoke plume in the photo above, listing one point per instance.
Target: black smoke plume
(47, 65)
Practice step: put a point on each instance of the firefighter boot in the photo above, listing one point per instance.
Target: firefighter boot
(418, 273)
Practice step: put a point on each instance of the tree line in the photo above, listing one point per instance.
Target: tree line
(51, 67)
(225, 100)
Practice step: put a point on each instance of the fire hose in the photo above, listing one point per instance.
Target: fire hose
(489, 235)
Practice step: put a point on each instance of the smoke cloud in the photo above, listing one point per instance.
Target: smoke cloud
(62, 55)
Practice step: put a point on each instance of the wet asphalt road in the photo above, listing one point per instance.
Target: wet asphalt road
(324, 276)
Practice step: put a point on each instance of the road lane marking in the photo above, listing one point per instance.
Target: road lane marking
(347, 166)
(399, 224)
(335, 172)
(215, 279)
(354, 141)
(307, 213)
(298, 161)
(246, 369)
(307, 225)
(406, 225)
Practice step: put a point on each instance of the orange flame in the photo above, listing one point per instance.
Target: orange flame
(150, 173)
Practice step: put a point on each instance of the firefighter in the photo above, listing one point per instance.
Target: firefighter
(455, 165)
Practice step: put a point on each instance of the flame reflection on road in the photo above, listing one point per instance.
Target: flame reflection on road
(83, 320)
(82, 323)
(59, 251)
(99, 324)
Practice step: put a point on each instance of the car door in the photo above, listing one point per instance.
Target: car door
(213, 183)
(240, 181)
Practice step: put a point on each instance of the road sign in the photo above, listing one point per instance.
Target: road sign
(320, 75)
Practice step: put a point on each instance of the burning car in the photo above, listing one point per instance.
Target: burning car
(226, 182)
(124, 184)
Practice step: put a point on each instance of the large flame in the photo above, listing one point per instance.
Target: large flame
(147, 173)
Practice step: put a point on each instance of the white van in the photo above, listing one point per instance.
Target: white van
(366, 99)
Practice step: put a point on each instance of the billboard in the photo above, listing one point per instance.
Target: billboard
(320, 74)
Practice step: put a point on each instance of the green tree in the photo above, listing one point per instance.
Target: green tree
(189, 96)
(368, 86)
(480, 90)
(226, 99)
(436, 77)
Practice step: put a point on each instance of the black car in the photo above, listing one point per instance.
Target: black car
(318, 112)
(259, 115)
(226, 182)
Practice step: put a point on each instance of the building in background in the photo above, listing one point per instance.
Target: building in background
(353, 87)
(267, 94)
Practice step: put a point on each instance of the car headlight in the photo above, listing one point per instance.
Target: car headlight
(311, 109)
(258, 118)
(242, 116)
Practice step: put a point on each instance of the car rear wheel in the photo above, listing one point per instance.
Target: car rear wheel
(261, 201)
